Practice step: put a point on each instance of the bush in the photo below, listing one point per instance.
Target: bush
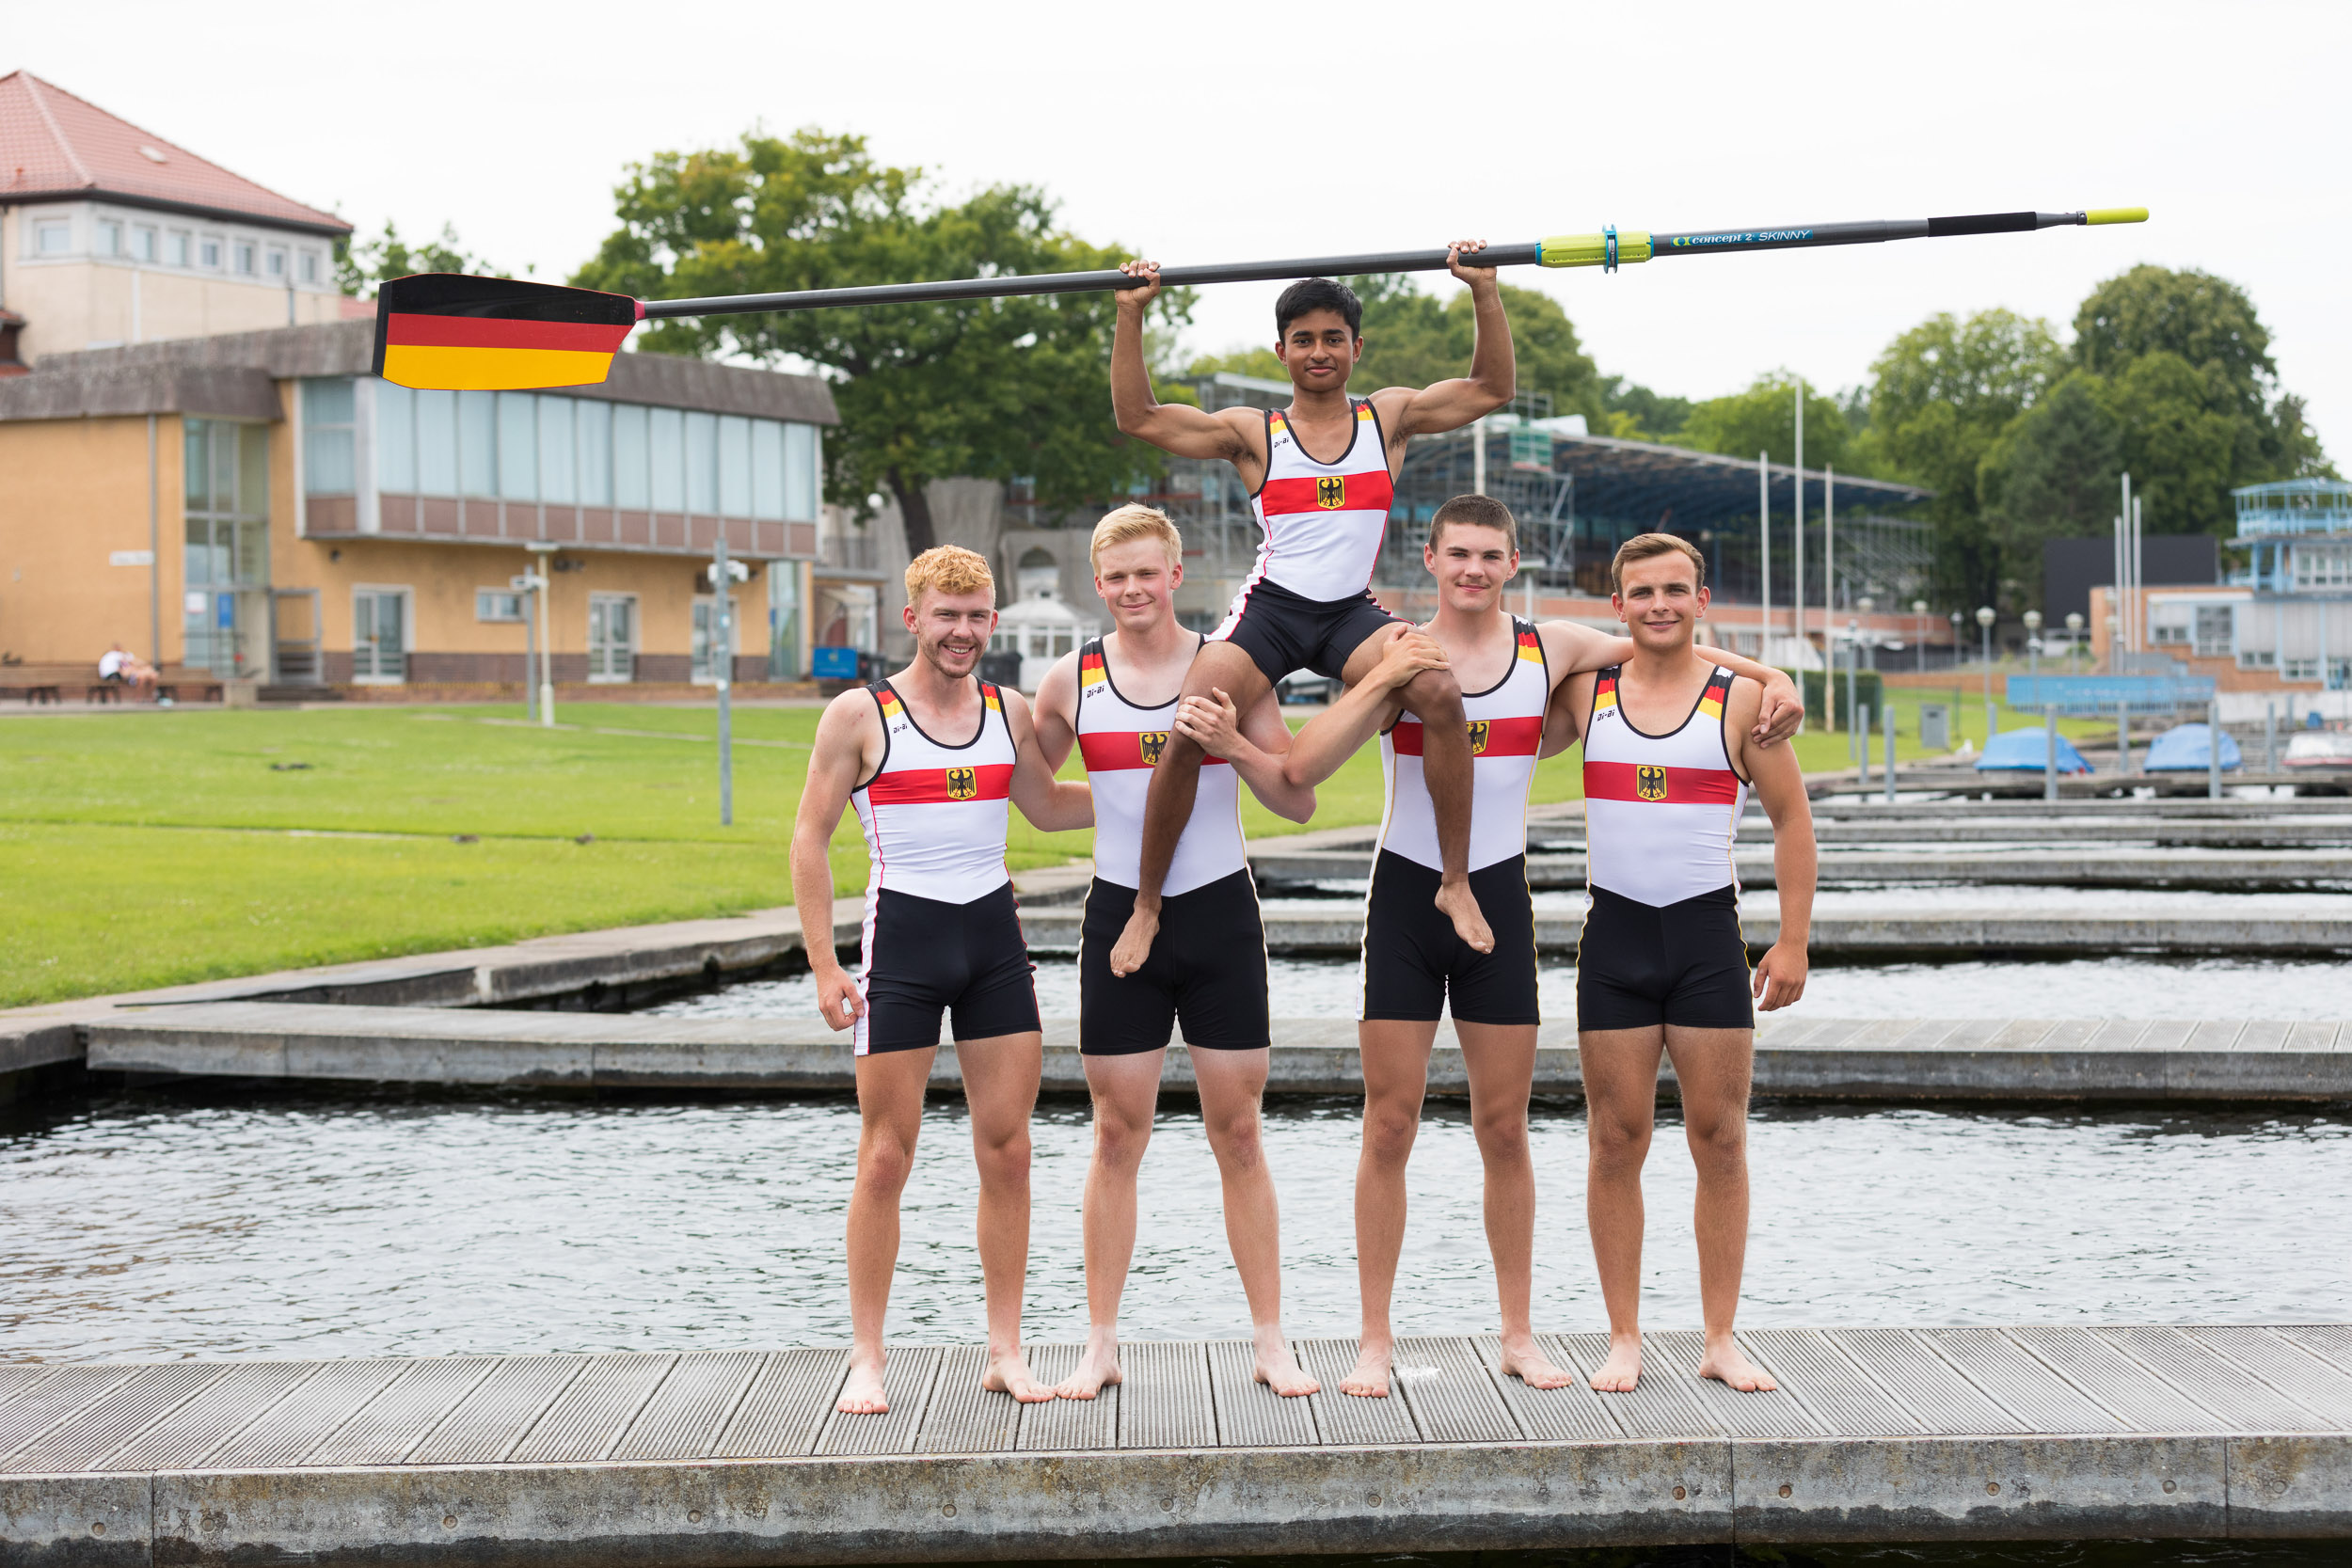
(1866, 690)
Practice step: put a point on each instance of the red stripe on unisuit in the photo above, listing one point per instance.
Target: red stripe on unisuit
(411, 330)
(1371, 491)
(1110, 750)
(925, 786)
(1685, 787)
(1505, 738)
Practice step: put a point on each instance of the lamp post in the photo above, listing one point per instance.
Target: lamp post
(1853, 681)
(542, 569)
(1920, 609)
(1985, 617)
(2074, 636)
(2033, 645)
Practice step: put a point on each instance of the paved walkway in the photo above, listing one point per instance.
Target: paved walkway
(1876, 1433)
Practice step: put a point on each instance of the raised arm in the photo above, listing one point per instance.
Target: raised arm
(1444, 405)
(1256, 747)
(1176, 428)
(1052, 805)
(1333, 736)
(1055, 713)
(1780, 975)
(1572, 648)
(835, 766)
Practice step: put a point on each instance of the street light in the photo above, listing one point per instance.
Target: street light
(2074, 636)
(1985, 617)
(1853, 679)
(2033, 643)
(1920, 609)
(541, 569)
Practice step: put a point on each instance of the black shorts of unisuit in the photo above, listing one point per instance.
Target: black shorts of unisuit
(1207, 969)
(1416, 968)
(1283, 631)
(927, 957)
(1640, 965)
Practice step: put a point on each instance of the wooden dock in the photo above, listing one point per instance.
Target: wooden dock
(738, 1457)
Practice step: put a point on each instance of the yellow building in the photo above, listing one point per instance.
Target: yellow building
(258, 506)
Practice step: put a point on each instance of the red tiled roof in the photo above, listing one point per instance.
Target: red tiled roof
(55, 145)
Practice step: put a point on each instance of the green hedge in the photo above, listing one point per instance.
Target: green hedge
(1821, 711)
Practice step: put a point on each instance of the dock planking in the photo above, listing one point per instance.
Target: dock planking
(2131, 1431)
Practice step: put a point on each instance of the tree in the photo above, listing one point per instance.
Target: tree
(361, 264)
(1764, 418)
(1412, 338)
(1638, 414)
(995, 389)
(2052, 475)
(1944, 393)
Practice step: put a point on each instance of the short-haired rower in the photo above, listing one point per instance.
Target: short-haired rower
(1670, 755)
(1114, 699)
(933, 757)
(1414, 965)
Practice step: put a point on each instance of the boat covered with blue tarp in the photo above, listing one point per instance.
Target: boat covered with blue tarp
(2184, 748)
(2028, 751)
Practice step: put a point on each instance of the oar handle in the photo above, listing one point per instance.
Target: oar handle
(1094, 282)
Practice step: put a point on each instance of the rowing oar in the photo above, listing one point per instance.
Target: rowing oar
(450, 331)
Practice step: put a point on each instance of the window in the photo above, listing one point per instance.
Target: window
(437, 443)
(497, 604)
(310, 266)
(631, 474)
(142, 244)
(767, 468)
(208, 252)
(2299, 669)
(396, 439)
(379, 640)
(800, 471)
(278, 263)
(518, 448)
(2171, 636)
(109, 238)
(226, 538)
(667, 458)
(701, 464)
(176, 248)
(2256, 658)
(706, 607)
(478, 444)
(2216, 630)
(2322, 568)
(330, 462)
(611, 637)
(596, 451)
(735, 467)
(53, 239)
(558, 470)
(244, 257)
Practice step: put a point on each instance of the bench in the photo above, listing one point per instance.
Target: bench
(173, 678)
(46, 683)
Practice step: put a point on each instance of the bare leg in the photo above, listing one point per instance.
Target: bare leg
(1435, 698)
(1713, 1066)
(1501, 1059)
(1230, 1084)
(1000, 1076)
(1620, 1104)
(1168, 804)
(890, 1112)
(1126, 1091)
(1396, 1075)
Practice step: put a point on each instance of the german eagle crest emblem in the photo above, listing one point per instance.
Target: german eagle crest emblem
(1478, 736)
(1151, 743)
(1331, 491)
(1649, 782)
(962, 784)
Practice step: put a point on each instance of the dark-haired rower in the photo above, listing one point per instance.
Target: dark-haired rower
(1321, 475)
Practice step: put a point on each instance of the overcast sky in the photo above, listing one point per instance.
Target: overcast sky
(1229, 132)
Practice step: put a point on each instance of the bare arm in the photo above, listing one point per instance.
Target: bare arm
(1055, 715)
(1336, 734)
(849, 730)
(1780, 975)
(1564, 715)
(1051, 804)
(1572, 648)
(1444, 405)
(1256, 747)
(1175, 428)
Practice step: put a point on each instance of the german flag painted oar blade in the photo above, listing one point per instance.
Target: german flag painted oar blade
(448, 331)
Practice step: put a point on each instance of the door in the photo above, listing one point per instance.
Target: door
(295, 635)
(611, 637)
(706, 611)
(380, 635)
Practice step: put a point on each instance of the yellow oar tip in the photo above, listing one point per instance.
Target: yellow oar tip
(2116, 214)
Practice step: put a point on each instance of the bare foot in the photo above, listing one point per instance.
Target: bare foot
(1097, 1366)
(1370, 1378)
(1280, 1370)
(1009, 1373)
(1622, 1372)
(1522, 1360)
(1725, 1362)
(862, 1395)
(1135, 943)
(1458, 904)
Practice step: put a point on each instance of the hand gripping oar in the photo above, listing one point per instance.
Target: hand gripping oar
(452, 331)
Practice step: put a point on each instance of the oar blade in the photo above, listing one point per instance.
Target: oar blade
(448, 331)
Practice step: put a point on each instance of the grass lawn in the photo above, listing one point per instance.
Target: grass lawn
(149, 848)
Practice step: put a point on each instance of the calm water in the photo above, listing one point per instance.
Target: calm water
(313, 1224)
(2073, 988)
